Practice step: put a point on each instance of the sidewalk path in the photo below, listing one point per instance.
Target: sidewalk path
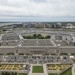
(73, 69)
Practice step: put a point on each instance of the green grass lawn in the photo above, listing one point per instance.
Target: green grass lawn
(67, 72)
(53, 54)
(73, 60)
(63, 54)
(22, 74)
(53, 74)
(72, 53)
(37, 69)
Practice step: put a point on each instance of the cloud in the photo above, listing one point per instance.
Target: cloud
(45, 8)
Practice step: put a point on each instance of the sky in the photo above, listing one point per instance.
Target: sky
(37, 10)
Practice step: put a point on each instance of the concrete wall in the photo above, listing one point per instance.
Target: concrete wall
(6, 50)
(67, 50)
(30, 50)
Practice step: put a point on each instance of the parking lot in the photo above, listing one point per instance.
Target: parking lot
(13, 67)
(35, 59)
(58, 66)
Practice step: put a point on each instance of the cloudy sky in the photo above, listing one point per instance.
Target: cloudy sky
(37, 10)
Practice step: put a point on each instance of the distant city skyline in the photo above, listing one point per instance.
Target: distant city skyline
(37, 10)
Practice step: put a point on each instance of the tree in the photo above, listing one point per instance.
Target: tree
(47, 37)
(34, 36)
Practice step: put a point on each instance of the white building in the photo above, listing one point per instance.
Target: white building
(69, 25)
